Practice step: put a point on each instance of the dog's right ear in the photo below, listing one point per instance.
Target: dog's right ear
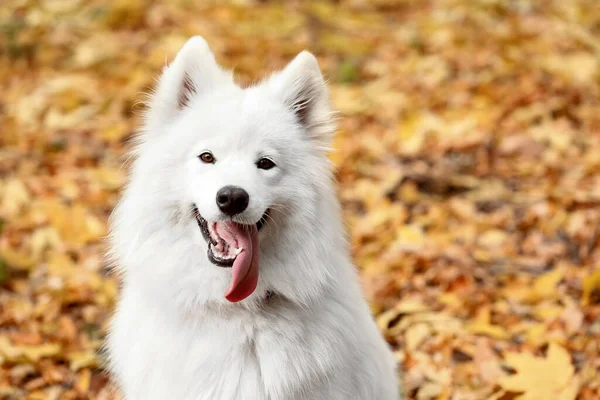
(301, 87)
(194, 71)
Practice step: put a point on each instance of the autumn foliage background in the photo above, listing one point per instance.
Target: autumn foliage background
(468, 157)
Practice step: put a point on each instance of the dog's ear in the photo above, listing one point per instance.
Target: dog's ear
(193, 71)
(301, 87)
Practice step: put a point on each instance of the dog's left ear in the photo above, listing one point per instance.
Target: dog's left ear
(193, 72)
(301, 87)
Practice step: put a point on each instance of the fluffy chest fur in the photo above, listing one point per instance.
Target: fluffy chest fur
(278, 351)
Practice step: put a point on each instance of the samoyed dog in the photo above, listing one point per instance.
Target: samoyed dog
(237, 280)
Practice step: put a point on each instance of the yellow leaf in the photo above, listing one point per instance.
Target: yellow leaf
(492, 238)
(481, 325)
(409, 237)
(99, 48)
(516, 292)
(83, 383)
(95, 229)
(548, 312)
(115, 132)
(412, 137)
(536, 334)
(74, 223)
(44, 239)
(579, 68)
(414, 130)
(590, 284)
(35, 353)
(451, 300)
(16, 353)
(411, 306)
(348, 99)
(372, 223)
(7, 350)
(107, 293)
(17, 259)
(408, 306)
(416, 334)
(544, 286)
(61, 265)
(15, 196)
(494, 331)
(82, 359)
(58, 119)
(430, 390)
(541, 378)
(110, 178)
(438, 322)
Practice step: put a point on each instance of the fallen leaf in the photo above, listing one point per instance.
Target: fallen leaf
(591, 284)
(544, 287)
(416, 334)
(481, 325)
(537, 378)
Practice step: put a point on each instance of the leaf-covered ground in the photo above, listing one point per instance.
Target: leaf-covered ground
(468, 156)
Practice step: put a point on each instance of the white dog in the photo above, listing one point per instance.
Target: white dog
(237, 281)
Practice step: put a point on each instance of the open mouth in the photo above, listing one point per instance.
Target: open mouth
(220, 251)
(234, 245)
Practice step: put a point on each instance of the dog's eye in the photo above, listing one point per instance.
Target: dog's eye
(265, 163)
(207, 157)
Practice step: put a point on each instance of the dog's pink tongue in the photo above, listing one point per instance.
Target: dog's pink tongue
(244, 272)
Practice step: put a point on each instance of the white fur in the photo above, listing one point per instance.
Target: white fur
(174, 335)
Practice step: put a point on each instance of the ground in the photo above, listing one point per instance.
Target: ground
(468, 157)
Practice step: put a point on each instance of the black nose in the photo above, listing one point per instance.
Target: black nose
(232, 200)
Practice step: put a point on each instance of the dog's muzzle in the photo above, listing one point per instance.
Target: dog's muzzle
(212, 241)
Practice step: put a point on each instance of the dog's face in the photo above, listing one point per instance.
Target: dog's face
(245, 158)
(235, 160)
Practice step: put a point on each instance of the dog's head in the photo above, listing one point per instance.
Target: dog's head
(240, 164)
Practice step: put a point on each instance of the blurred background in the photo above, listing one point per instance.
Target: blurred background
(468, 157)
